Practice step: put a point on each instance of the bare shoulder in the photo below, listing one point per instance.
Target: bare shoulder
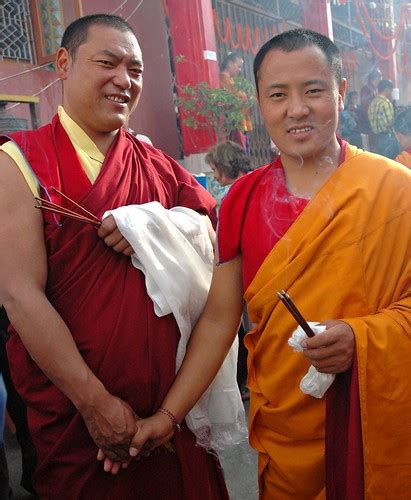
(16, 199)
(22, 252)
(11, 178)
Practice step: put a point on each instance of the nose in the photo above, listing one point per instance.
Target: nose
(297, 107)
(122, 78)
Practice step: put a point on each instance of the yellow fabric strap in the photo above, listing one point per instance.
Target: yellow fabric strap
(88, 154)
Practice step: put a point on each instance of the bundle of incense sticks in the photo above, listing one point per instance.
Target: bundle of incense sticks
(292, 308)
(86, 216)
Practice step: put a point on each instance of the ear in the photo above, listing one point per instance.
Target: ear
(63, 63)
(342, 89)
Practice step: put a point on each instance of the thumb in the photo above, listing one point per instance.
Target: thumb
(138, 441)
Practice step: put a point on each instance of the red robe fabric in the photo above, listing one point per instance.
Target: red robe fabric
(251, 225)
(103, 300)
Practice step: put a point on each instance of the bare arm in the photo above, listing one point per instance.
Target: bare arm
(23, 274)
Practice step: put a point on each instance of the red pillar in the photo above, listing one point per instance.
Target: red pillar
(317, 17)
(387, 65)
(194, 50)
(380, 15)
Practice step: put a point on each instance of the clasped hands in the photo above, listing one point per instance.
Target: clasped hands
(121, 435)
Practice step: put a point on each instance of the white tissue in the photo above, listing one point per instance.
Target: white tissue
(313, 383)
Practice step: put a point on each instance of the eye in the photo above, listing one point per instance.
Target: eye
(103, 62)
(277, 95)
(314, 91)
(136, 72)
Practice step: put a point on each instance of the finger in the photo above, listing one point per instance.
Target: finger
(124, 465)
(113, 238)
(138, 441)
(100, 455)
(115, 468)
(323, 339)
(128, 251)
(320, 353)
(108, 464)
(108, 225)
(117, 453)
(121, 245)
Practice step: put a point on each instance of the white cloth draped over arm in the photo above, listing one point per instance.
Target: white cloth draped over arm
(173, 250)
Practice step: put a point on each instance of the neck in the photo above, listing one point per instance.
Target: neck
(305, 176)
(104, 141)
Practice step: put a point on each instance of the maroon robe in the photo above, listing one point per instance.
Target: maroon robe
(103, 300)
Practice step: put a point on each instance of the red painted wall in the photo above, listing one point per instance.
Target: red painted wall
(192, 32)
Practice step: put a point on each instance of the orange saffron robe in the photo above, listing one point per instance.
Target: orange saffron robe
(347, 256)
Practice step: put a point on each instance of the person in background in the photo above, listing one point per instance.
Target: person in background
(87, 352)
(370, 89)
(402, 130)
(329, 223)
(350, 130)
(367, 94)
(228, 161)
(230, 69)
(381, 117)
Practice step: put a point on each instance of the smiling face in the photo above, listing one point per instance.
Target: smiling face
(103, 83)
(300, 101)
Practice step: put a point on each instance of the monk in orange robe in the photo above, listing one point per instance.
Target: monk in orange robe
(331, 224)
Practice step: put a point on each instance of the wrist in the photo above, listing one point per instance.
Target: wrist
(171, 417)
(89, 396)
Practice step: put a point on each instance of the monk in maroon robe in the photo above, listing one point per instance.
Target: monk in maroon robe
(87, 352)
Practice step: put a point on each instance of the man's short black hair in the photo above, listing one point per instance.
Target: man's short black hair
(297, 39)
(230, 57)
(76, 33)
(385, 85)
(402, 122)
(374, 75)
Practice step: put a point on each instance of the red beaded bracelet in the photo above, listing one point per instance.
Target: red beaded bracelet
(171, 416)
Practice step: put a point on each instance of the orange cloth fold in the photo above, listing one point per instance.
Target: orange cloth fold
(334, 269)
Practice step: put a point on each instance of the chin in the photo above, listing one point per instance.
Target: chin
(115, 123)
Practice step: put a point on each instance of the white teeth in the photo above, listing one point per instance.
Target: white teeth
(299, 130)
(116, 99)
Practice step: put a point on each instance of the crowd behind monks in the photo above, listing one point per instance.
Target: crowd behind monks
(373, 120)
(93, 393)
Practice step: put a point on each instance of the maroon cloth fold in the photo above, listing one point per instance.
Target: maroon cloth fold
(343, 438)
(103, 300)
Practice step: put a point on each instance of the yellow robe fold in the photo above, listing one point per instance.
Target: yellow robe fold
(346, 257)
